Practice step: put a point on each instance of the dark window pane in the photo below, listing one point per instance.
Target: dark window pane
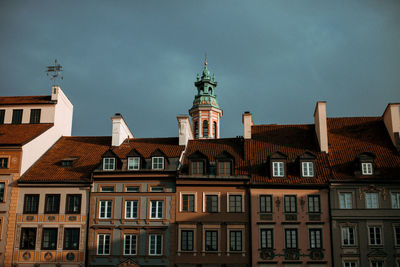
(2, 186)
(71, 238)
(31, 204)
(211, 241)
(49, 238)
(28, 238)
(3, 163)
(35, 116)
(187, 240)
(73, 204)
(2, 114)
(52, 204)
(17, 116)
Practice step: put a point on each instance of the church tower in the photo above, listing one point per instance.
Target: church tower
(205, 111)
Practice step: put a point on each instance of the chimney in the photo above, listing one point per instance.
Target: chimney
(120, 130)
(247, 120)
(185, 130)
(54, 92)
(391, 117)
(320, 125)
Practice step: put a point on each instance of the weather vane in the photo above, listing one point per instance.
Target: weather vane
(54, 72)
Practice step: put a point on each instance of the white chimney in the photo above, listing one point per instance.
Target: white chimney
(247, 120)
(320, 125)
(391, 117)
(185, 130)
(120, 130)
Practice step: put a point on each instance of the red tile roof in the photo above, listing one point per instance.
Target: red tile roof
(211, 148)
(86, 150)
(20, 134)
(348, 137)
(17, 100)
(292, 140)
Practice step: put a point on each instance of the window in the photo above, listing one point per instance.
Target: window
(197, 167)
(196, 130)
(205, 128)
(132, 189)
(314, 204)
(224, 167)
(265, 203)
(131, 209)
(211, 243)
(278, 169)
(155, 244)
(2, 187)
(397, 235)
(307, 169)
(290, 204)
(267, 238)
(31, 204)
(235, 240)
(396, 200)
(345, 201)
(73, 204)
(349, 264)
(158, 163)
(17, 116)
(107, 189)
(375, 237)
(215, 129)
(105, 209)
(377, 263)
(35, 116)
(133, 163)
(49, 238)
(130, 244)
(157, 189)
(187, 240)
(156, 209)
(52, 204)
(371, 200)
(67, 163)
(188, 202)
(3, 163)
(103, 244)
(366, 168)
(108, 164)
(71, 238)
(348, 236)
(211, 203)
(2, 114)
(290, 238)
(28, 238)
(235, 203)
(315, 238)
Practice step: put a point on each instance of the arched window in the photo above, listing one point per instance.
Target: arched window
(215, 129)
(210, 91)
(205, 128)
(196, 129)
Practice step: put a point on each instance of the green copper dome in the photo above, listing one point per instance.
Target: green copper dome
(205, 85)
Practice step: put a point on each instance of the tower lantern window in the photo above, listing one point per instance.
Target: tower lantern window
(205, 128)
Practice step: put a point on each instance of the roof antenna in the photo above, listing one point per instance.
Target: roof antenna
(54, 72)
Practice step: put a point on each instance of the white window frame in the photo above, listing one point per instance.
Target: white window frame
(158, 209)
(154, 237)
(377, 230)
(278, 169)
(155, 165)
(133, 163)
(107, 205)
(104, 237)
(132, 243)
(345, 230)
(307, 168)
(395, 200)
(366, 168)
(132, 207)
(350, 263)
(108, 164)
(345, 200)
(371, 200)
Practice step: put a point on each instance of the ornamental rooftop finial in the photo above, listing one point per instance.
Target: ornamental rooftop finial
(206, 72)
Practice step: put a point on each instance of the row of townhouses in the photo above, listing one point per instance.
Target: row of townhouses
(321, 194)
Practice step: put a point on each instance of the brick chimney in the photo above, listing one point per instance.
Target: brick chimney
(391, 117)
(185, 130)
(120, 130)
(320, 125)
(247, 120)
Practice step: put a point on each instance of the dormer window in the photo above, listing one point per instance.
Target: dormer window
(109, 164)
(224, 168)
(365, 162)
(133, 163)
(307, 169)
(366, 168)
(66, 163)
(278, 169)
(198, 163)
(225, 164)
(198, 167)
(157, 163)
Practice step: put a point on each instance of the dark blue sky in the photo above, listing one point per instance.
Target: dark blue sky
(274, 58)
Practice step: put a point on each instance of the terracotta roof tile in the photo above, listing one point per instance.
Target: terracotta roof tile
(86, 150)
(292, 140)
(17, 100)
(348, 137)
(19, 134)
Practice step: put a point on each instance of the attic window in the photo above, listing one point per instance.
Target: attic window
(278, 169)
(365, 163)
(366, 168)
(67, 162)
(307, 169)
(158, 163)
(108, 164)
(133, 163)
